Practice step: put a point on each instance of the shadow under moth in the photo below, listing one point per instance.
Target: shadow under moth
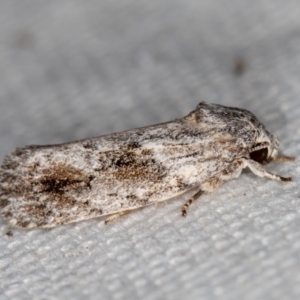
(46, 186)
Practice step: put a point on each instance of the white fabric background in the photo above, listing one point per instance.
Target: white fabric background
(75, 69)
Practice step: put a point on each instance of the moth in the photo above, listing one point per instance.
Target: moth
(46, 186)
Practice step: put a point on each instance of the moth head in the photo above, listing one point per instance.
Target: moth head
(265, 148)
(242, 124)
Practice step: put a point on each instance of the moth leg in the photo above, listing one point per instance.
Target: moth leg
(259, 170)
(116, 216)
(190, 201)
(284, 158)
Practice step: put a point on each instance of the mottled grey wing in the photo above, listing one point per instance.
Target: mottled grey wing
(50, 185)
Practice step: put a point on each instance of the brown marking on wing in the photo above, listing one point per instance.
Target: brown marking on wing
(129, 164)
(60, 181)
(60, 178)
(45, 193)
(132, 166)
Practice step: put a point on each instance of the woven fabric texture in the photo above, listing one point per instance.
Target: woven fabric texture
(75, 69)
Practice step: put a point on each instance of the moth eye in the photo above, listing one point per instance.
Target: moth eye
(260, 155)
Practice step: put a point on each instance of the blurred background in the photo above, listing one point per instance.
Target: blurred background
(76, 69)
